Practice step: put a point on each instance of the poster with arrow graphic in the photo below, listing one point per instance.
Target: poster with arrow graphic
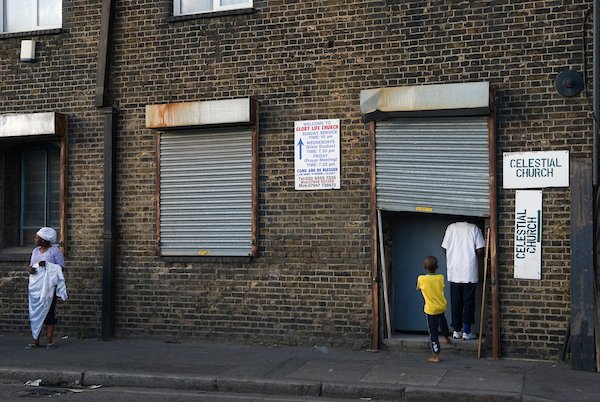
(317, 154)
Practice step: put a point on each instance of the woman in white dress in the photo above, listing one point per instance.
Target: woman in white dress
(46, 281)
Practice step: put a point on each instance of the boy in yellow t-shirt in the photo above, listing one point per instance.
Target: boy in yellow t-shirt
(431, 286)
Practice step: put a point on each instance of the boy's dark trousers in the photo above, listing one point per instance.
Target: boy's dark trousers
(437, 325)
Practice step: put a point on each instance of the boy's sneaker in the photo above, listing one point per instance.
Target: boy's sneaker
(457, 335)
(468, 336)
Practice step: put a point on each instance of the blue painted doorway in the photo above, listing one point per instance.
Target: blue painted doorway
(416, 236)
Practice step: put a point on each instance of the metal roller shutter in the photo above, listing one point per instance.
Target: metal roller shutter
(439, 165)
(206, 192)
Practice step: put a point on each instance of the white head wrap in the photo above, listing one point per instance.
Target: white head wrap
(47, 234)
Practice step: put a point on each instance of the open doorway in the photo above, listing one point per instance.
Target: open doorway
(414, 237)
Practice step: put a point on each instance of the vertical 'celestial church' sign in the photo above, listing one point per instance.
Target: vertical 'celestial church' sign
(528, 234)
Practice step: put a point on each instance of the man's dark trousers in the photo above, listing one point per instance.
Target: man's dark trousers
(462, 298)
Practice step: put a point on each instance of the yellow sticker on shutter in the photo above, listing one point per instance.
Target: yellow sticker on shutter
(424, 209)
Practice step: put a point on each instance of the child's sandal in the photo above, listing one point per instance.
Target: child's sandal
(32, 346)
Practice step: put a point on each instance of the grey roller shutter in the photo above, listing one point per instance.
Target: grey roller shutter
(206, 192)
(439, 165)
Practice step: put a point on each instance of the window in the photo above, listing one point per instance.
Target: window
(186, 7)
(40, 191)
(33, 165)
(208, 177)
(31, 192)
(206, 196)
(30, 15)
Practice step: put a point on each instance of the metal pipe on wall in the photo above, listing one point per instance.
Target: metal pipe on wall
(103, 100)
(108, 235)
(596, 133)
(102, 95)
(596, 92)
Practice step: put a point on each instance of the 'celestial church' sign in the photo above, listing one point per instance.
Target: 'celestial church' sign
(317, 154)
(535, 169)
(528, 234)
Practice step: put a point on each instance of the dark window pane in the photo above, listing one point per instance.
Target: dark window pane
(40, 191)
(54, 190)
(34, 189)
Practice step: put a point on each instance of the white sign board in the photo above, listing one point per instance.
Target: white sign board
(528, 234)
(536, 169)
(317, 154)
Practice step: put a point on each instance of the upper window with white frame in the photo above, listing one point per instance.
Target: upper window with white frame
(187, 7)
(30, 15)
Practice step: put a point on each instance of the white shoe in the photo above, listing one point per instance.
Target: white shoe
(468, 336)
(457, 335)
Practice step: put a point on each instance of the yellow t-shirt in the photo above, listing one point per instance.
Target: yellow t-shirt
(432, 288)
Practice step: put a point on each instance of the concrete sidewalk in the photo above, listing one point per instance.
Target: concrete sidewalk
(319, 372)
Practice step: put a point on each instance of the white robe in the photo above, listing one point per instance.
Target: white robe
(41, 293)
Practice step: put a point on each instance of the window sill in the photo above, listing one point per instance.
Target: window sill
(241, 11)
(207, 259)
(15, 254)
(55, 31)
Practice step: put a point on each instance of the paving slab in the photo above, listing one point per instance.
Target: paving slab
(331, 371)
(490, 381)
(562, 385)
(421, 376)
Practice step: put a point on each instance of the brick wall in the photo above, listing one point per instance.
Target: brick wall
(301, 61)
(62, 79)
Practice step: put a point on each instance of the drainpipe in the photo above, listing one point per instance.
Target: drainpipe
(108, 235)
(596, 91)
(103, 100)
(596, 133)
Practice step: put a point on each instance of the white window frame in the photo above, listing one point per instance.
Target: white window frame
(216, 7)
(34, 18)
